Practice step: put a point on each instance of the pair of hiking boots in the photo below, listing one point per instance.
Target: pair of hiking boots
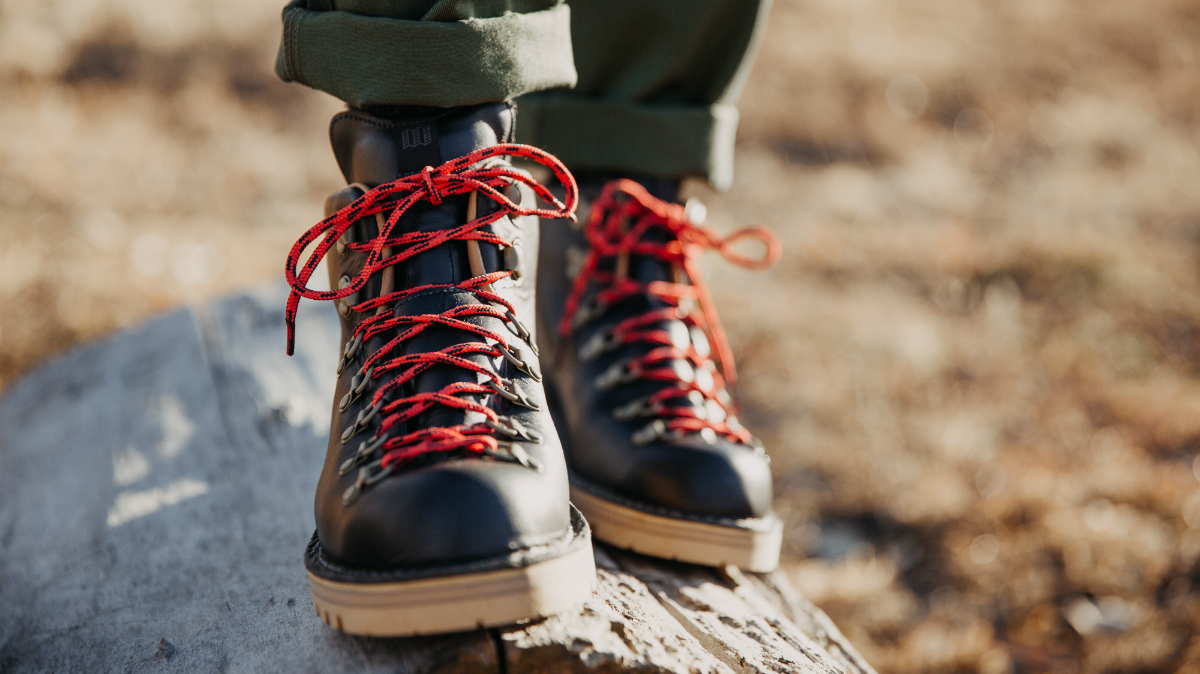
(456, 463)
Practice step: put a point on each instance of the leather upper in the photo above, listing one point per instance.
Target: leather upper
(690, 477)
(445, 508)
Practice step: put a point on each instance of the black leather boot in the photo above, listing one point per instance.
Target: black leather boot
(659, 463)
(443, 503)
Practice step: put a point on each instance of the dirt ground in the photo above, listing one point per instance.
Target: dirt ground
(977, 366)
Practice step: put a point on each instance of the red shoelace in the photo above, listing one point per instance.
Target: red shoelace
(394, 199)
(620, 219)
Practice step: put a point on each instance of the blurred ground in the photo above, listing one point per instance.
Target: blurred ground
(977, 367)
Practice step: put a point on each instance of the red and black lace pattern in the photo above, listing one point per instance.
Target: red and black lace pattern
(625, 221)
(470, 173)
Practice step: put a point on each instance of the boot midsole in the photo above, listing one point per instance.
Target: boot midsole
(456, 597)
(456, 603)
(753, 546)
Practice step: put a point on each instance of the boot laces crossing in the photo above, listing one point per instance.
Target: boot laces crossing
(626, 220)
(470, 173)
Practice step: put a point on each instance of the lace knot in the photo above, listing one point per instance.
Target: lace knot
(455, 177)
(435, 197)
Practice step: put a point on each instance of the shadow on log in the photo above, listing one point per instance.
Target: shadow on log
(158, 497)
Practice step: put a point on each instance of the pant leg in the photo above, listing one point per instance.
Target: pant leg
(440, 53)
(658, 81)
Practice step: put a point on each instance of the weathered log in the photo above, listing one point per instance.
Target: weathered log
(157, 492)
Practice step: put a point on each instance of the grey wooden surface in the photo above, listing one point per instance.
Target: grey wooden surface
(157, 496)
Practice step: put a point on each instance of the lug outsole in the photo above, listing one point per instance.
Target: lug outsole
(754, 547)
(456, 603)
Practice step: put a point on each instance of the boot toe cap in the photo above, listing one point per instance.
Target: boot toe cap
(454, 512)
(722, 479)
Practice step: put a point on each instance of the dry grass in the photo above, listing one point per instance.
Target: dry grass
(978, 366)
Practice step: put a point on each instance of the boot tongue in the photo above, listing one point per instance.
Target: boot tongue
(444, 264)
(373, 150)
(646, 269)
(436, 338)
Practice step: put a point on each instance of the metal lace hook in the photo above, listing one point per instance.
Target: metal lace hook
(618, 373)
(654, 431)
(518, 328)
(601, 341)
(348, 353)
(364, 418)
(515, 429)
(358, 384)
(365, 449)
(514, 395)
(366, 479)
(521, 365)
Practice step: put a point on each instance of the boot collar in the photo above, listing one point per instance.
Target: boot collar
(373, 150)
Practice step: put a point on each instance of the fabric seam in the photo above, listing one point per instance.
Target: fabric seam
(292, 59)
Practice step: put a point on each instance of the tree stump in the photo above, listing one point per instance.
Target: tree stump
(158, 497)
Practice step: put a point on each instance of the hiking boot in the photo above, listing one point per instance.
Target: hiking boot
(443, 503)
(658, 461)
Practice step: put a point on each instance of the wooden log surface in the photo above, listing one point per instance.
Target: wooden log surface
(157, 497)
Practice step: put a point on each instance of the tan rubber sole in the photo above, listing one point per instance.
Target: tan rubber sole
(456, 603)
(753, 549)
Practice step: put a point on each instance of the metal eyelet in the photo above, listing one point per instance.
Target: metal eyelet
(344, 304)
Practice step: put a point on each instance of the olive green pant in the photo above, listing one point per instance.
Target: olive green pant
(639, 87)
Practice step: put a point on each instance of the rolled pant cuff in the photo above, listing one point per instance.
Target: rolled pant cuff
(669, 141)
(367, 60)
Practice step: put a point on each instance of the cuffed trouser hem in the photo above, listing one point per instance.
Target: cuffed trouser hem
(367, 60)
(670, 141)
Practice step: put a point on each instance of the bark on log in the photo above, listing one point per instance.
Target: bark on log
(157, 489)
